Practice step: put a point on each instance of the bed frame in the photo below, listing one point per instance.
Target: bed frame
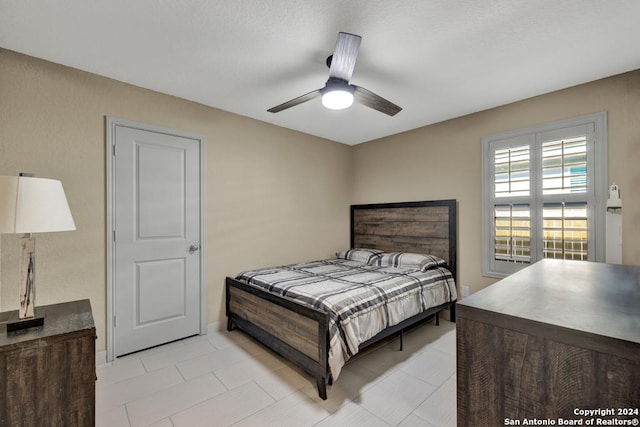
(300, 333)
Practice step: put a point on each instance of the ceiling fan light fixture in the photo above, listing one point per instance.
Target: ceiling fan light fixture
(337, 96)
(337, 93)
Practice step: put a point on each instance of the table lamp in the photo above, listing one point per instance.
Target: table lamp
(31, 205)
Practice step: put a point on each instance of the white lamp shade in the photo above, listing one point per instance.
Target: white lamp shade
(33, 205)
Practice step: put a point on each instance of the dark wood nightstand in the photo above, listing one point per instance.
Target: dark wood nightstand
(47, 374)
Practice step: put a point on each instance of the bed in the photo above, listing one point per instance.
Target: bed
(407, 254)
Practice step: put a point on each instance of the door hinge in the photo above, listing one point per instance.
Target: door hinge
(114, 321)
(114, 235)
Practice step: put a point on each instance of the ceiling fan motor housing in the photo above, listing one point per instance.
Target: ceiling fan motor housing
(337, 84)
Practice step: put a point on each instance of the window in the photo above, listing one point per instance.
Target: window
(544, 196)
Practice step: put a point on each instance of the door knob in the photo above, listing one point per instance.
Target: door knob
(193, 248)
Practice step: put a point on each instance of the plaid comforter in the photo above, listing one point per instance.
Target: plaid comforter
(361, 299)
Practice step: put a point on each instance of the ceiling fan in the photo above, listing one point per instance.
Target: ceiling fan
(337, 92)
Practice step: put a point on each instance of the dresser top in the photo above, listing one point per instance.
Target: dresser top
(59, 319)
(595, 298)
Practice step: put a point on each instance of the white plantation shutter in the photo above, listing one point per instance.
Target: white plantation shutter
(565, 230)
(512, 226)
(544, 194)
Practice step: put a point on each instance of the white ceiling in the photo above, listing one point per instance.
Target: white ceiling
(437, 59)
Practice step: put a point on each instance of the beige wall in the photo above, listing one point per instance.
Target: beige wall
(272, 195)
(444, 160)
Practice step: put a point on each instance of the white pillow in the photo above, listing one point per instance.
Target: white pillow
(408, 260)
(367, 256)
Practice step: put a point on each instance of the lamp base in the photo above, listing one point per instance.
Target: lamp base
(28, 277)
(25, 324)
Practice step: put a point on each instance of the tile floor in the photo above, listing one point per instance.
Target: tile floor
(228, 379)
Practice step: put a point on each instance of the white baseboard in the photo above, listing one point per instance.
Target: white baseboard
(101, 357)
(214, 327)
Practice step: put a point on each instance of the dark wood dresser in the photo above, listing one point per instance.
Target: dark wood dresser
(554, 339)
(47, 374)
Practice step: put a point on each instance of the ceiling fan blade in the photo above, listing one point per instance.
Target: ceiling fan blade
(371, 100)
(344, 56)
(295, 101)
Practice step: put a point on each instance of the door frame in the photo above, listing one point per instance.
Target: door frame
(111, 124)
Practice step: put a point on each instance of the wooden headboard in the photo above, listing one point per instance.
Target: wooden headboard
(427, 227)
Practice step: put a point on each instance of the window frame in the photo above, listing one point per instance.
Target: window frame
(596, 194)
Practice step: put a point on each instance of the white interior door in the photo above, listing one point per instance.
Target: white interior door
(157, 229)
